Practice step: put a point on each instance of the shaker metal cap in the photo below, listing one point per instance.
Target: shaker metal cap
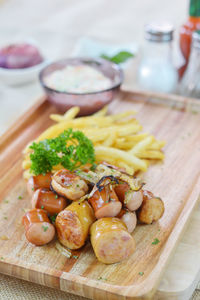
(159, 32)
(196, 39)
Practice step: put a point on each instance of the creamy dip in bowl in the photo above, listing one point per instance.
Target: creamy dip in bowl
(84, 82)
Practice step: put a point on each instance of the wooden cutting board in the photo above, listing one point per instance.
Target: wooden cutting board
(177, 181)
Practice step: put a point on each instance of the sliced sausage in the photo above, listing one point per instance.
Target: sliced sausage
(105, 203)
(73, 224)
(111, 241)
(39, 230)
(131, 199)
(152, 208)
(129, 218)
(68, 184)
(49, 201)
(39, 181)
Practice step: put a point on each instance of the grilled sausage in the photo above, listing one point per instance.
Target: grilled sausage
(39, 230)
(49, 201)
(131, 199)
(111, 241)
(39, 181)
(152, 208)
(68, 184)
(129, 218)
(105, 203)
(73, 224)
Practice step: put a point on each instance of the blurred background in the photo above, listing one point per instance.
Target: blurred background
(58, 27)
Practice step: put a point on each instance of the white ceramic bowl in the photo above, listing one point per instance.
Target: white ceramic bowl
(21, 76)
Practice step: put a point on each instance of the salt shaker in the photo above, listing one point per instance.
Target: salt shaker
(190, 84)
(156, 71)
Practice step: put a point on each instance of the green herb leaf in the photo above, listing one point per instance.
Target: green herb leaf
(71, 149)
(19, 197)
(42, 207)
(119, 58)
(53, 218)
(141, 273)
(155, 242)
(56, 196)
(45, 228)
(75, 256)
(101, 278)
(93, 167)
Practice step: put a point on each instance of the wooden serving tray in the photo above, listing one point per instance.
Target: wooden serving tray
(176, 181)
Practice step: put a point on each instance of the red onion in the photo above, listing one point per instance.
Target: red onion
(19, 56)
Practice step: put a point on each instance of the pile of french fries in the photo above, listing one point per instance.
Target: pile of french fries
(117, 139)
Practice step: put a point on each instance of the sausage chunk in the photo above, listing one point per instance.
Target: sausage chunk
(73, 224)
(152, 208)
(105, 203)
(39, 230)
(111, 241)
(39, 181)
(129, 218)
(49, 201)
(69, 185)
(131, 199)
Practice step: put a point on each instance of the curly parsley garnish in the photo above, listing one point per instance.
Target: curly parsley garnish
(71, 149)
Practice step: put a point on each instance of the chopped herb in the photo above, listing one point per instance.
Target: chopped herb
(155, 242)
(107, 201)
(5, 218)
(111, 199)
(32, 189)
(45, 228)
(77, 185)
(19, 197)
(93, 167)
(6, 201)
(141, 273)
(89, 176)
(56, 196)
(101, 278)
(2, 257)
(119, 58)
(42, 207)
(53, 218)
(158, 229)
(71, 149)
(194, 112)
(75, 256)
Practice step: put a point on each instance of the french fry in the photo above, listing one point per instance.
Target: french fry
(129, 170)
(27, 174)
(151, 154)
(157, 145)
(26, 164)
(110, 140)
(117, 154)
(102, 112)
(69, 115)
(142, 145)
